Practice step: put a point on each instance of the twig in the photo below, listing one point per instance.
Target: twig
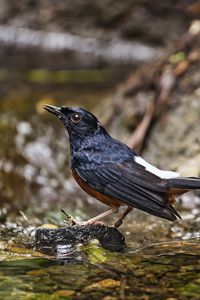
(136, 140)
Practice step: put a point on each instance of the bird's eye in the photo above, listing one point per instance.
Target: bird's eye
(76, 118)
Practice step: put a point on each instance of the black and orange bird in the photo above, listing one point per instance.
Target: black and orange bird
(116, 175)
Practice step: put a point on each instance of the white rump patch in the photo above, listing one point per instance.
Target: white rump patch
(154, 170)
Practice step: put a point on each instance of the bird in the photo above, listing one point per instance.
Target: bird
(115, 174)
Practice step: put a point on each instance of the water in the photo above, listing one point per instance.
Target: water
(161, 271)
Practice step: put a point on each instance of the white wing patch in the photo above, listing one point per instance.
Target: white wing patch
(160, 173)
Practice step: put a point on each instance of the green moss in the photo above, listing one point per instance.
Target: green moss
(177, 57)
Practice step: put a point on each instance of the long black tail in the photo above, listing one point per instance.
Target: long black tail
(186, 183)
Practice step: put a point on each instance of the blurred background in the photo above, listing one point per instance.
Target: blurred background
(135, 64)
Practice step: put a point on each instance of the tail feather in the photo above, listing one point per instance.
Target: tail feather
(174, 211)
(186, 183)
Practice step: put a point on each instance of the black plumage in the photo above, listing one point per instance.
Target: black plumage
(115, 174)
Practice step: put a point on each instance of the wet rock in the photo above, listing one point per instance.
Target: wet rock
(56, 241)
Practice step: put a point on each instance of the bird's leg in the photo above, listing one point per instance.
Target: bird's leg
(121, 218)
(95, 219)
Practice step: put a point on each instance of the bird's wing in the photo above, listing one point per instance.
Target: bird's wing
(132, 184)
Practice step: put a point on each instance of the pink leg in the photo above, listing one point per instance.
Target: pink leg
(93, 220)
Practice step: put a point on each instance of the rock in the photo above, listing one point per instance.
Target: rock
(55, 241)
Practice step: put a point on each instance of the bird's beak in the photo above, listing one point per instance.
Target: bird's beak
(53, 109)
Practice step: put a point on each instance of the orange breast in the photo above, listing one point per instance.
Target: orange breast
(91, 191)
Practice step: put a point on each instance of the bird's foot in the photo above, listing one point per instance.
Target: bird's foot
(94, 220)
(89, 222)
(97, 223)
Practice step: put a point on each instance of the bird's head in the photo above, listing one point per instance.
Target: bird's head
(78, 121)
